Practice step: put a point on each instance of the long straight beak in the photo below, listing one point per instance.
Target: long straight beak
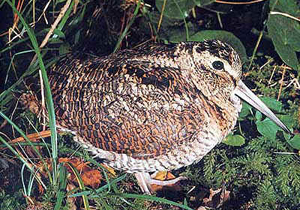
(247, 95)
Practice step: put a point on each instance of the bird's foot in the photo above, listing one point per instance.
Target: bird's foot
(145, 181)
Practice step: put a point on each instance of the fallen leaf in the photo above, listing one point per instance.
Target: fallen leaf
(164, 176)
(90, 177)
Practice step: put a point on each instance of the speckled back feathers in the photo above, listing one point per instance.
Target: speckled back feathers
(153, 104)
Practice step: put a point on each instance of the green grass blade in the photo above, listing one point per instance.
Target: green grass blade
(128, 26)
(28, 141)
(27, 191)
(65, 17)
(49, 101)
(153, 198)
(42, 139)
(62, 187)
(11, 62)
(104, 172)
(101, 189)
(185, 23)
(23, 160)
(81, 185)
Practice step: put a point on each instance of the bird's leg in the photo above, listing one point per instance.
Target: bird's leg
(142, 178)
(145, 181)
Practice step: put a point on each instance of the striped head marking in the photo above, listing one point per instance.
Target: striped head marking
(218, 57)
(216, 68)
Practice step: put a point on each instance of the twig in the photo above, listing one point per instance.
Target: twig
(281, 83)
(269, 82)
(284, 14)
(44, 13)
(266, 63)
(32, 137)
(294, 82)
(161, 15)
(53, 27)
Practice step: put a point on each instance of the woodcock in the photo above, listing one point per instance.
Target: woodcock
(153, 108)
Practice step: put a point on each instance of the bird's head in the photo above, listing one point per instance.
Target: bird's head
(217, 71)
(214, 67)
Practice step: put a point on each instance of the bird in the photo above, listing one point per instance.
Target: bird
(156, 107)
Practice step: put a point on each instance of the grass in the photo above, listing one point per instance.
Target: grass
(256, 171)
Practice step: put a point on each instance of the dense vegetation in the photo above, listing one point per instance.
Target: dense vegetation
(258, 165)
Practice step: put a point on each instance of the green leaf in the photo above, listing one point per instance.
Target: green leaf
(286, 6)
(285, 35)
(177, 35)
(267, 128)
(258, 116)
(295, 142)
(166, 23)
(272, 103)
(62, 187)
(224, 36)
(59, 33)
(176, 9)
(152, 198)
(287, 120)
(246, 110)
(234, 140)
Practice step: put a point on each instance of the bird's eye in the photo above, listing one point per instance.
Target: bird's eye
(218, 65)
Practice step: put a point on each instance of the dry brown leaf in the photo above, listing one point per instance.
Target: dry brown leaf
(90, 177)
(164, 176)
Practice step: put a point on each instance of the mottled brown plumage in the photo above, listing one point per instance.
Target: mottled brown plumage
(153, 108)
(156, 107)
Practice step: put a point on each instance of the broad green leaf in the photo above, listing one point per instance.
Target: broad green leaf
(286, 136)
(177, 9)
(234, 140)
(272, 103)
(267, 128)
(224, 36)
(258, 116)
(285, 35)
(177, 35)
(287, 120)
(246, 110)
(288, 28)
(286, 6)
(166, 23)
(295, 142)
